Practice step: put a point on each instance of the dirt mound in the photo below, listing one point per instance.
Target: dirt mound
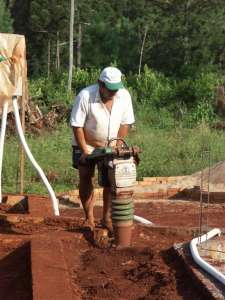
(215, 174)
(212, 178)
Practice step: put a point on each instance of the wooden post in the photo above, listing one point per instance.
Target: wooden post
(24, 100)
(79, 44)
(57, 52)
(71, 46)
(142, 49)
(49, 56)
(22, 157)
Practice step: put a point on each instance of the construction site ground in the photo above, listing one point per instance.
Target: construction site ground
(48, 257)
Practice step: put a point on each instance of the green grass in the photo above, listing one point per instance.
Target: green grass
(177, 151)
(52, 151)
(165, 152)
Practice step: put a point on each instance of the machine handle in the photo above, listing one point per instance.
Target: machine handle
(117, 139)
(119, 152)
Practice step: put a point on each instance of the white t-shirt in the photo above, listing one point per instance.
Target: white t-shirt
(90, 113)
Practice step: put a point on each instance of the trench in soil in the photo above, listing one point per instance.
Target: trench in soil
(15, 270)
(148, 270)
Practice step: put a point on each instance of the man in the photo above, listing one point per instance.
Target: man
(101, 112)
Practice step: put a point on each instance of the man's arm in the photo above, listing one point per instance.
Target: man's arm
(79, 136)
(122, 133)
(127, 117)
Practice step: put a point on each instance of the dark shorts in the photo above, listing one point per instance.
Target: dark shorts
(76, 154)
(102, 173)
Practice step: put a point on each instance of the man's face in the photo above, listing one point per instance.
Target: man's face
(105, 93)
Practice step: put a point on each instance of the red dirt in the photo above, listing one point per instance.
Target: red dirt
(181, 213)
(171, 213)
(147, 270)
(47, 258)
(15, 271)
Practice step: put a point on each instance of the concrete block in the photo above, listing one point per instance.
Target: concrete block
(149, 179)
(15, 199)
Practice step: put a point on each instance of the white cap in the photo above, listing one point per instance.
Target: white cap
(111, 76)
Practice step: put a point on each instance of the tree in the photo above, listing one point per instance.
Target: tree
(71, 46)
(188, 33)
(49, 25)
(170, 36)
(5, 19)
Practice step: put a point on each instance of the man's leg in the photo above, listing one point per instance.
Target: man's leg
(107, 219)
(86, 192)
(106, 215)
(106, 205)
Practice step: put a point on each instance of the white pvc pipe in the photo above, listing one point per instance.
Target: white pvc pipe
(142, 220)
(2, 140)
(31, 158)
(202, 263)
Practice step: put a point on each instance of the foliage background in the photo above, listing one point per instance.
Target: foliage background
(182, 35)
(182, 45)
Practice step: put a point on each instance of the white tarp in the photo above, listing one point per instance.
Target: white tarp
(13, 68)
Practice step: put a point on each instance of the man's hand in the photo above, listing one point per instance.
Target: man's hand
(79, 136)
(119, 144)
(83, 157)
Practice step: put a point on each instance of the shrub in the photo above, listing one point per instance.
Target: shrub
(157, 98)
(152, 88)
(83, 78)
